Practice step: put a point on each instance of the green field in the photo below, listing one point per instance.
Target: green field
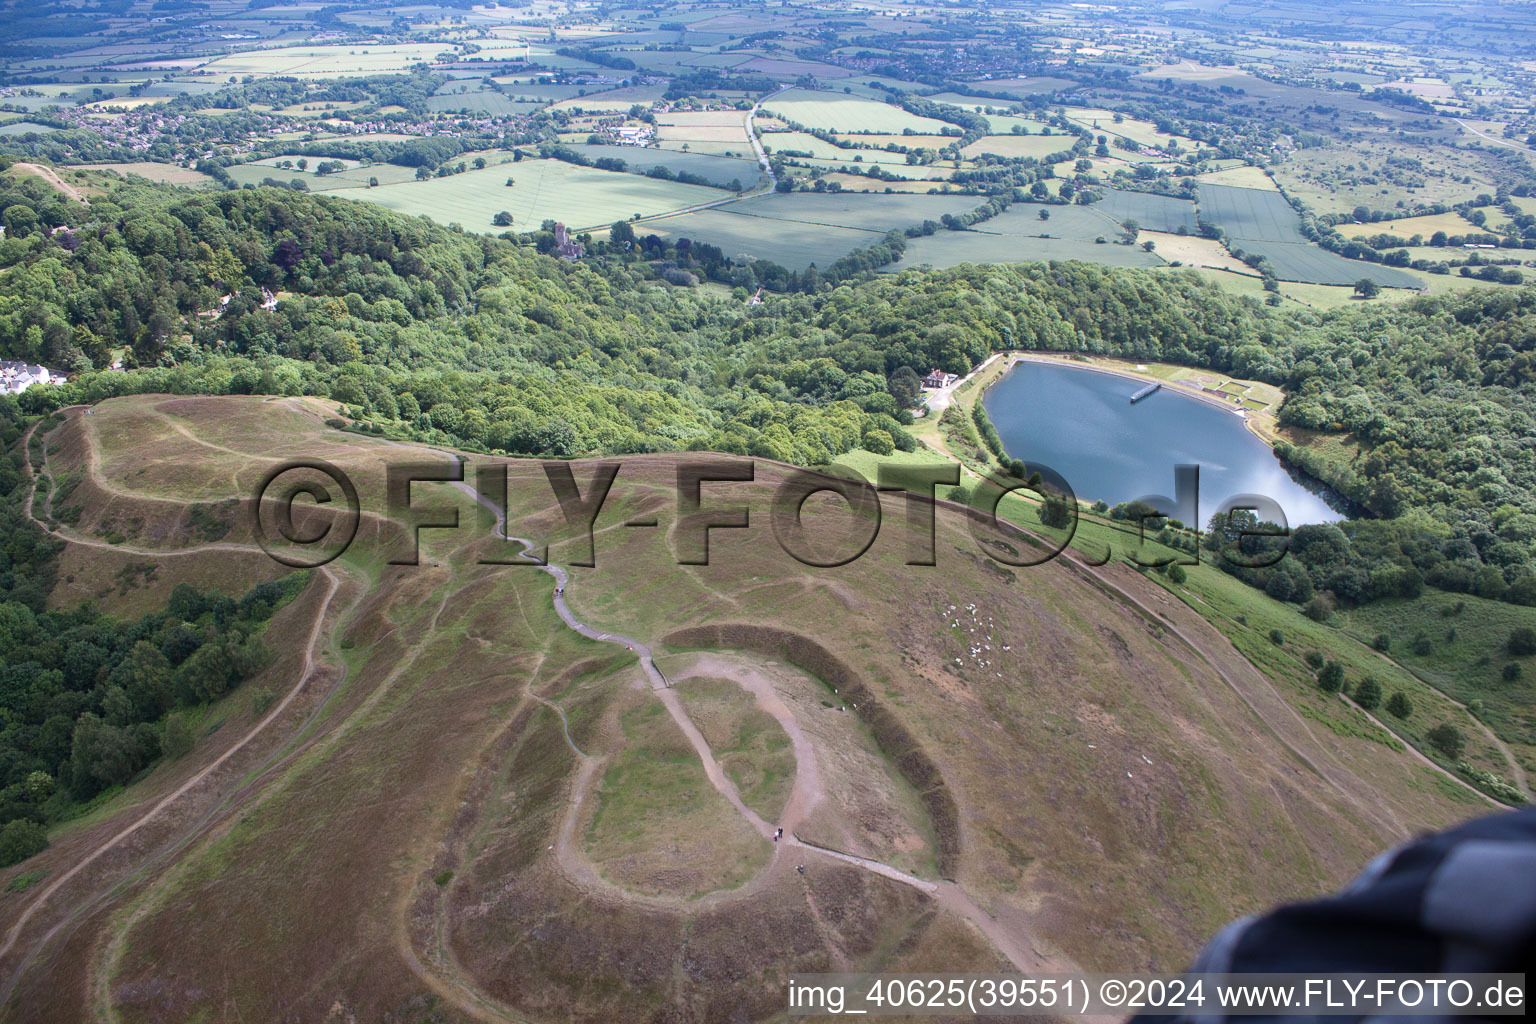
(1262, 222)
(951, 248)
(867, 212)
(1149, 211)
(801, 142)
(582, 197)
(26, 127)
(1465, 644)
(792, 244)
(1450, 223)
(356, 175)
(487, 102)
(1072, 233)
(1250, 214)
(835, 112)
(719, 170)
(1037, 146)
(614, 99)
(326, 61)
(1306, 262)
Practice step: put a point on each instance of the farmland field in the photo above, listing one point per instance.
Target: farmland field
(168, 173)
(1239, 177)
(838, 113)
(880, 141)
(325, 61)
(1262, 223)
(1250, 214)
(582, 197)
(355, 176)
(1037, 146)
(857, 183)
(869, 213)
(1450, 223)
(614, 99)
(792, 244)
(1303, 261)
(804, 142)
(482, 102)
(951, 248)
(1194, 251)
(704, 119)
(1072, 233)
(720, 170)
(24, 127)
(1153, 212)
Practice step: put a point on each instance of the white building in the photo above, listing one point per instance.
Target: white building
(16, 377)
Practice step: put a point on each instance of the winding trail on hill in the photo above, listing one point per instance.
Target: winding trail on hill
(306, 670)
(1021, 951)
(51, 176)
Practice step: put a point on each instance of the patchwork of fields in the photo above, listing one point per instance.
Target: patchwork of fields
(951, 248)
(798, 229)
(792, 244)
(719, 170)
(1019, 235)
(837, 113)
(1263, 223)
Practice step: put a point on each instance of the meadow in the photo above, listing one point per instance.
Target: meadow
(802, 142)
(839, 113)
(171, 174)
(1238, 176)
(1459, 644)
(718, 170)
(789, 243)
(356, 175)
(582, 197)
(1407, 227)
(26, 128)
(1037, 146)
(1148, 210)
(869, 213)
(325, 61)
(951, 248)
(1250, 214)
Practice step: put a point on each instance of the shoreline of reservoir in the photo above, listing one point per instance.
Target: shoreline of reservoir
(1309, 500)
(1176, 387)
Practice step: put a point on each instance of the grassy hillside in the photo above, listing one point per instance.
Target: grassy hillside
(456, 737)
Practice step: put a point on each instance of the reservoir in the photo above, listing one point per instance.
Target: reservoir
(1082, 423)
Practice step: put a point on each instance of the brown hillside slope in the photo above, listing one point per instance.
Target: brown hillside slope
(441, 823)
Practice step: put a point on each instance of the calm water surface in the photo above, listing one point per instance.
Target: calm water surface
(1080, 423)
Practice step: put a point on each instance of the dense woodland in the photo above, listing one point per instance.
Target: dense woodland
(490, 343)
(88, 701)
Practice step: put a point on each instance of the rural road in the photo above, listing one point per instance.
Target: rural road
(939, 399)
(1507, 143)
(762, 159)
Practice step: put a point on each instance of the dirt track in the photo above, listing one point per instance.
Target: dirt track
(807, 791)
(51, 176)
